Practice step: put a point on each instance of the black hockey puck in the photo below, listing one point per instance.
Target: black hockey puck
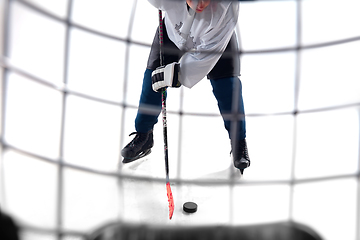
(190, 207)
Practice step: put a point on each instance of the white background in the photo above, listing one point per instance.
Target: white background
(284, 148)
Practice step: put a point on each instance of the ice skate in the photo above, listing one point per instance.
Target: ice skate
(139, 147)
(240, 155)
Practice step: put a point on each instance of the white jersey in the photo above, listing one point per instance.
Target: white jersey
(206, 32)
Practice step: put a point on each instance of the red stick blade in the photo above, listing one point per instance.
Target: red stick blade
(170, 199)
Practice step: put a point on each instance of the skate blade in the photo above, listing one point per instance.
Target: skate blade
(242, 168)
(141, 155)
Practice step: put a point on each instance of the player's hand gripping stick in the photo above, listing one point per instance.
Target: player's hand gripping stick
(165, 76)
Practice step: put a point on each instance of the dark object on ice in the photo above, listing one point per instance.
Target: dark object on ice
(190, 207)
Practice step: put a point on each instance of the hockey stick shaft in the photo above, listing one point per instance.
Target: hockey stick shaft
(164, 120)
(163, 98)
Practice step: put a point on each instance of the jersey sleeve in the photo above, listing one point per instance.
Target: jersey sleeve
(194, 66)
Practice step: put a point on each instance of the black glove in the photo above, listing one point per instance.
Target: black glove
(166, 76)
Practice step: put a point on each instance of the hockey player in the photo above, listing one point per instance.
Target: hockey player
(198, 41)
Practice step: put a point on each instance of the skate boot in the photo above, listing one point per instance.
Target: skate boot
(139, 147)
(241, 156)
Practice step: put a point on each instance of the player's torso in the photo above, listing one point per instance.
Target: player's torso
(189, 33)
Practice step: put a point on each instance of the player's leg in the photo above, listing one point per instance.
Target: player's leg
(150, 102)
(224, 81)
(228, 93)
(147, 116)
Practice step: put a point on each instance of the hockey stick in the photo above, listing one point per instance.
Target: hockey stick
(163, 111)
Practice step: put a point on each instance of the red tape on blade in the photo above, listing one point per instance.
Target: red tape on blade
(170, 199)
